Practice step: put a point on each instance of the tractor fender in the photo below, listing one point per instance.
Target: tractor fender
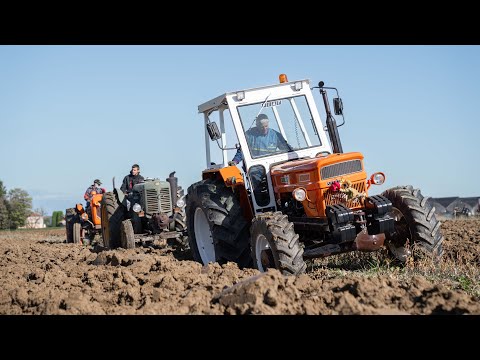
(120, 195)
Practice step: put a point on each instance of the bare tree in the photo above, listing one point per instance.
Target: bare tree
(36, 219)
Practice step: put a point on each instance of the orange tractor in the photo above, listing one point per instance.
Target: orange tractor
(300, 200)
(82, 224)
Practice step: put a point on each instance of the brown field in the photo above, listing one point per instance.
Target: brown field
(41, 274)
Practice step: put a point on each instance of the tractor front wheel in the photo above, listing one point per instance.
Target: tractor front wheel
(180, 219)
(127, 239)
(276, 245)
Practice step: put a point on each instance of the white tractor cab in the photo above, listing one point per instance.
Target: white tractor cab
(299, 195)
(291, 111)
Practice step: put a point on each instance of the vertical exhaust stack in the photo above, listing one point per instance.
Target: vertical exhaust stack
(173, 188)
(331, 123)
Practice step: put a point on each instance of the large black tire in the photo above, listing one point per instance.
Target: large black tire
(69, 220)
(283, 252)
(214, 218)
(112, 216)
(127, 240)
(415, 223)
(77, 233)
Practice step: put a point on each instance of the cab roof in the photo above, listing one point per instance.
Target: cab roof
(212, 104)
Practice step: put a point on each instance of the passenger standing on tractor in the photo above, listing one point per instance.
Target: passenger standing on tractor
(132, 179)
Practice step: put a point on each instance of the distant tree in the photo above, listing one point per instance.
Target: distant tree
(3, 190)
(53, 222)
(4, 218)
(57, 216)
(19, 207)
(40, 211)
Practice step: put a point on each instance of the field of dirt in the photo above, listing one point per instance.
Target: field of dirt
(41, 274)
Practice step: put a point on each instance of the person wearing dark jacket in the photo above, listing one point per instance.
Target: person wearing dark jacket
(132, 179)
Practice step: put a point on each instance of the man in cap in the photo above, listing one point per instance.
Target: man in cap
(94, 187)
(262, 140)
(132, 179)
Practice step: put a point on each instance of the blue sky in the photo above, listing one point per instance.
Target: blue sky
(70, 114)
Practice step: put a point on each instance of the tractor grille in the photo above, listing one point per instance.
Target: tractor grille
(151, 201)
(165, 200)
(332, 198)
(343, 168)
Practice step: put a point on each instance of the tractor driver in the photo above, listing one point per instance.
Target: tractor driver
(132, 179)
(262, 141)
(94, 187)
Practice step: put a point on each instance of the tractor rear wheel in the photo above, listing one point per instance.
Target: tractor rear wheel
(127, 240)
(69, 220)
(416, 226)
(78, 233)
(276, 245)
(217, 230)
(112, 215)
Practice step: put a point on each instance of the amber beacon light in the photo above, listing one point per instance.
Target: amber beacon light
(283, 78)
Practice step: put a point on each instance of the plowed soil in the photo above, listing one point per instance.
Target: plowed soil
(41, 274)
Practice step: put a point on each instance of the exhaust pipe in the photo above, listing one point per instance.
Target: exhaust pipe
(331, 123)
(173, 181)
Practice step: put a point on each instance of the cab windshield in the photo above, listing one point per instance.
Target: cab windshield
(283, 125)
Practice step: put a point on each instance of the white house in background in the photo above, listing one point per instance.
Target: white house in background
(34, 221)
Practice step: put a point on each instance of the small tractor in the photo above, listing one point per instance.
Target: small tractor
(154, 210)
(82, 224)
(303, 201)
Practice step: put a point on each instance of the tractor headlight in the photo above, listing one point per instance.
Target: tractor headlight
(84, 216)
(181, 202)
(137, 208)
(378, 178)
(299, 194)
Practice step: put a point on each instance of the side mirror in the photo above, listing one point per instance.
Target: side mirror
(338, 106)
(213, 131)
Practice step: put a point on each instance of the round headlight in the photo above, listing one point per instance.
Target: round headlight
(84, 216)
(378, 178)
(137, 208)
(181, 202)
(299, 194)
